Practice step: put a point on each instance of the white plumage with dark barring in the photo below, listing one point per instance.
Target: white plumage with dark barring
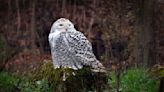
(70, 48)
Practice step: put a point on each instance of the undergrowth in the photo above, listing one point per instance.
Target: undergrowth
(136, 80)
(8, 82)
(48, 80)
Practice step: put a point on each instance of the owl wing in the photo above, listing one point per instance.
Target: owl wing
(82, 50)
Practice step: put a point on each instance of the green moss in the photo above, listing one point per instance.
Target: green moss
(82, 80)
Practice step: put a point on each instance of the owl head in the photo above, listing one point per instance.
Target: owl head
(62, 25)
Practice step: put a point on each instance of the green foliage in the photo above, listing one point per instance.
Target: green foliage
(34, 86)
(162, 73)
(136, 80)
(112, 82)
(8, 83)
(51, 80)
(11, 83)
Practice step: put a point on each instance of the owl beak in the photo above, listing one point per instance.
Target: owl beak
(64, 30)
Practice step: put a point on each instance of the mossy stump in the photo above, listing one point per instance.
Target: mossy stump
(83, 80)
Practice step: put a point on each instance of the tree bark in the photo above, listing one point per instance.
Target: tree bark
(145, 39)
(33, 45)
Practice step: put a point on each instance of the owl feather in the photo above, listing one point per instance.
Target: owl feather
(70, 48)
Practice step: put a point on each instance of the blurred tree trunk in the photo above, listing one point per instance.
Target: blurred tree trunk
(161, 85)
(18, 17)
(33, 45)
(145, 36)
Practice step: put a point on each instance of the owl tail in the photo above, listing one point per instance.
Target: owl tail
(97, 67)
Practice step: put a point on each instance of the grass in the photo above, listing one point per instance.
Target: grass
(11, 83)
(7, 82)
(136, 80)
(133, 80)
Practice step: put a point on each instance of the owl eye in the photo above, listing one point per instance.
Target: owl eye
(69, 24)
(60, 24)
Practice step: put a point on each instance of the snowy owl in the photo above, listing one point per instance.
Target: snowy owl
(70, 48)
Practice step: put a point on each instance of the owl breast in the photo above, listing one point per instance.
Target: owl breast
(70, 48)
(63, 53)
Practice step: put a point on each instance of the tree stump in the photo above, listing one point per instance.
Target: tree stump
(82, 80)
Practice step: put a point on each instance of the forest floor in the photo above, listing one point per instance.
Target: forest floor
(16, 77)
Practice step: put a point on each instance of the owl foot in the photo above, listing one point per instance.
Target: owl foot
(66, 75)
